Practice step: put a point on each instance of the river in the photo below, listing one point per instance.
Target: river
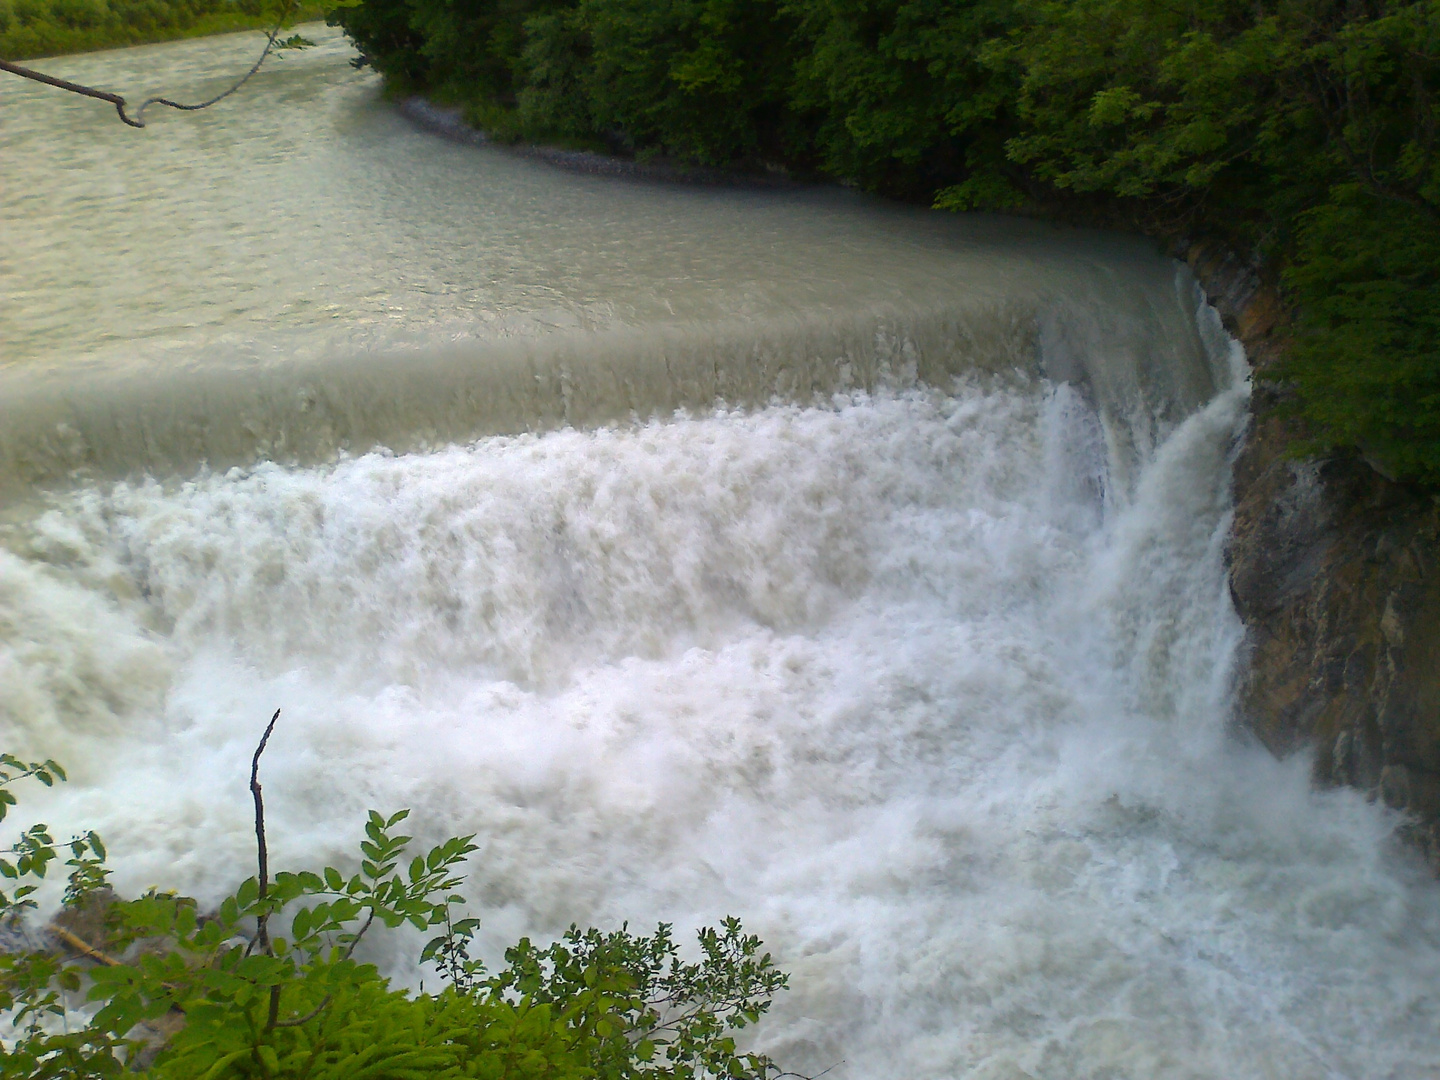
(853, 569)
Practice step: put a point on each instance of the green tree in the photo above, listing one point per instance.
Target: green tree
(902, 100)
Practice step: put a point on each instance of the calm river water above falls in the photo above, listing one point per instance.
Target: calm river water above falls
(852, 569)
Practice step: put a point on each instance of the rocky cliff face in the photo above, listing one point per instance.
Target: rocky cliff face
(1335, 571)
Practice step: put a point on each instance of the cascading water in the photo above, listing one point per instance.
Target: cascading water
(906, 638)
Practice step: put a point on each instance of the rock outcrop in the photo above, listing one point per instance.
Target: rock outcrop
(1335, 570)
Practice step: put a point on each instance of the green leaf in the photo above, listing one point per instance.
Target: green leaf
(248, 892)
(224, 1063)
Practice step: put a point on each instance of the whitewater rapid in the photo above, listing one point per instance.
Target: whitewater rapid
(893, 620)
(900, 681)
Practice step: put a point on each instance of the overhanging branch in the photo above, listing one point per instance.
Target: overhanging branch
(121, 107)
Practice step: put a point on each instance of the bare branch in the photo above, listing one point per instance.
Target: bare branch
(262, 854)
(297, 1021)
(121, 107)
(73, 87)
(355, 941)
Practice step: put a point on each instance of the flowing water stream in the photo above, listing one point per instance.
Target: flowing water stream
(852, 569)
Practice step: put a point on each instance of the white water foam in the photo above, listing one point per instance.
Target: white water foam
(910, 683)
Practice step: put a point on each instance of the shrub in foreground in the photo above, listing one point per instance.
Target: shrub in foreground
(268, 985)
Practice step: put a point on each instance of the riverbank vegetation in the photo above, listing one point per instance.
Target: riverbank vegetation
(268, 984)
(1302, 131)
(31, 28)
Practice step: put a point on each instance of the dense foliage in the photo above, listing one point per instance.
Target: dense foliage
(1302, 130)
(268, 985)
(31, 28)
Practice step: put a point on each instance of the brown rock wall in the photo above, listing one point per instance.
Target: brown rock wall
(1335, 571)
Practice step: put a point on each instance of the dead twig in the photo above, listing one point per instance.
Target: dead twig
(121, 107)
(262, 854)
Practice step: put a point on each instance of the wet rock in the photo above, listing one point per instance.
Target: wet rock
(16, 938)
(1332, 570)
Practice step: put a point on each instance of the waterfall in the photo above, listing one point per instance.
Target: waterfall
(856, 571)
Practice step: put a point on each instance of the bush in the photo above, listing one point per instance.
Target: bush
(386, 41)
(268, 984)
(1366, 283)
(701, 80)
(901, 98)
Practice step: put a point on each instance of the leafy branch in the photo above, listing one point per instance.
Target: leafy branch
(180, 994)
